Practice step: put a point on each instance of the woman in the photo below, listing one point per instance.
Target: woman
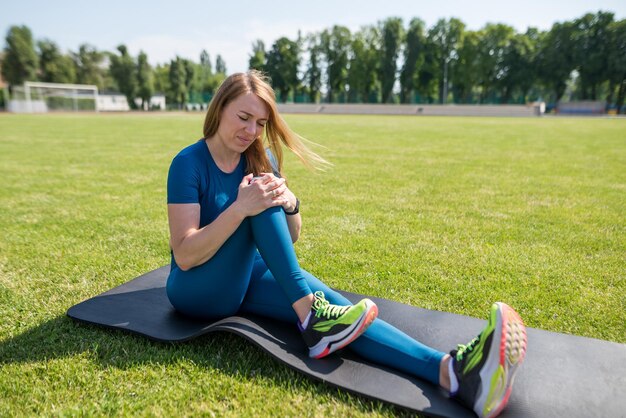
(226, 200)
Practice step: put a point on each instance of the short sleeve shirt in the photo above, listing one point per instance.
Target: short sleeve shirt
(195, 178)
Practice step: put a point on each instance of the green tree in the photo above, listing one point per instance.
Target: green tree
(445, 38)
(494, 43)
(313, 72)
(518, 65)
(145, 81)
(335, 45)
(123, 71)
(54, 67)
(88, 63)
(205, 64)
(177, 77)
(282, 66)
(427, 76)
(207, 81)
(617, 63)
(413, 59)
(220, 65)
(161, 75)
(364, 64)
(258, 58)
(555, 59)
(592, 43)
(392, 33)
(466, 71)
(20, 59)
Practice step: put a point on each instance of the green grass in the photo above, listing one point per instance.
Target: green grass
(443, 213)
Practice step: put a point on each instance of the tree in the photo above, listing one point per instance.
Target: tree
(591, 43)
(494, 42)
(145, 82)
(220, 65)
(161, 74)
(177, 76)
(555, 60)
(205, 64)
(335, 45)
(54, 67)
(518, 65)
(20, 60)
(413, 59)
(392, 32)
(466, 71)
(445, 38)
(123, 70)
(282, 66)
(88, 64)
(617, 63)
(364, 64)
(427, 86)
(257, 59)
(313, 73)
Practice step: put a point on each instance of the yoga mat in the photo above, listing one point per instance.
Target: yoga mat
(563, 375)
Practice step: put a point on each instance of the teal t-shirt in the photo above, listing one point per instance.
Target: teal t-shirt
(195, 178)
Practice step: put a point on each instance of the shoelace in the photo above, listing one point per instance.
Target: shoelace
(463, 349)
(324, 308)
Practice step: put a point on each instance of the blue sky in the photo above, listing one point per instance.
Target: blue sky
(164, 29)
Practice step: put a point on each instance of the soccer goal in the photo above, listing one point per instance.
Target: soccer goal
(38, 97)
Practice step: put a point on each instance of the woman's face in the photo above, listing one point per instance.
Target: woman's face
(242, 122)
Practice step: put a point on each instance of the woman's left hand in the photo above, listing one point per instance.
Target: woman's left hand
(279, 190)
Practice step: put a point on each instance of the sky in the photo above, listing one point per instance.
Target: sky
(165, 29)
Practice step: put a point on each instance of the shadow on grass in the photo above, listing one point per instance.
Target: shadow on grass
(232, 355)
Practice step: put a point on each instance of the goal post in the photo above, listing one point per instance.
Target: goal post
(40, 97)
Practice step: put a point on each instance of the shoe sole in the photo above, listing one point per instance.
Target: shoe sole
(507, 352)
(351, 334)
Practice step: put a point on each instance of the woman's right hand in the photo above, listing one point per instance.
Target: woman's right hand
(265, 192)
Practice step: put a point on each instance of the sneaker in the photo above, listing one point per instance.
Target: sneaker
(485, 367)
(332, 327)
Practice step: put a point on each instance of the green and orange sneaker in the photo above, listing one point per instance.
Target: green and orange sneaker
(485, 368)
(332, 327)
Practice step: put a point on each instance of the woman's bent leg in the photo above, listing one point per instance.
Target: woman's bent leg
(382, 343)
(271, 235)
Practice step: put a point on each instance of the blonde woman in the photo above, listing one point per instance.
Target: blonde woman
(233, 222)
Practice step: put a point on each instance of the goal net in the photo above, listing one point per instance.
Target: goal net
(38, 97)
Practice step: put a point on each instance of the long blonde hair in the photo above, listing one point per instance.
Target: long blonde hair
(277, 132)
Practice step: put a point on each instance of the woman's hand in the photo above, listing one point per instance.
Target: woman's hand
(259, 193)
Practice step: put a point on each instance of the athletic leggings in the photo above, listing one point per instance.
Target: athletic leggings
(267, 282)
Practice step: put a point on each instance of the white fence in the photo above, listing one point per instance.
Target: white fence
(534, 109)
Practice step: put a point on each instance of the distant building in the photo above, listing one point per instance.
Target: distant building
(157, 102)
(116, 102)
(112, 102)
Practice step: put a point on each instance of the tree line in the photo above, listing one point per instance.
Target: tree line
(181, 80)
(387, 62)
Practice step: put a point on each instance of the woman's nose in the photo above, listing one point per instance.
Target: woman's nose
(251, 128)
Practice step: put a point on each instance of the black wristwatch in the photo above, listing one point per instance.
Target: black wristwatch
(296, 209)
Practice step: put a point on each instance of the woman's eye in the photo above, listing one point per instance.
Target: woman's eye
(262, 125)
(243, 117)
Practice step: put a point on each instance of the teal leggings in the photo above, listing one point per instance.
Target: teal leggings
(268, 281)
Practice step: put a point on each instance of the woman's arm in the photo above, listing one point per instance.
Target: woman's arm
(193, 245)
(294, 222)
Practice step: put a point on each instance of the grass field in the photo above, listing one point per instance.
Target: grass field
(443, 213)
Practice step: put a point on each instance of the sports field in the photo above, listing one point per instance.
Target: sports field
(443, 213)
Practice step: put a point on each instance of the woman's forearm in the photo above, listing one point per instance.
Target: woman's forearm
(199, 245)
(294, 222)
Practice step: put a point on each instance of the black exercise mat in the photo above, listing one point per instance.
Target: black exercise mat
(563, 375)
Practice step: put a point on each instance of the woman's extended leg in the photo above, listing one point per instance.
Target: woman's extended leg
(381, 343)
